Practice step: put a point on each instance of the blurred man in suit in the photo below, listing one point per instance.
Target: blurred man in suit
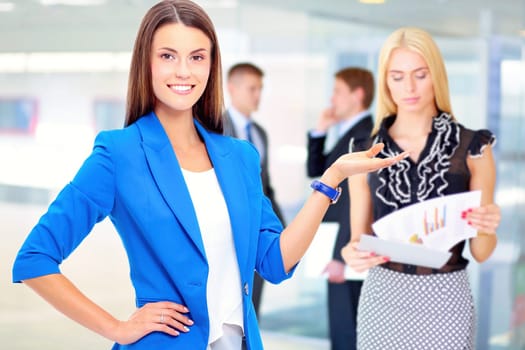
(345, 122)
(245, 83)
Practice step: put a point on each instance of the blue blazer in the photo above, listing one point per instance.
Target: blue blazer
(134, 177)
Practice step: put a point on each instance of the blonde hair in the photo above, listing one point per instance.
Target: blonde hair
(419, 41)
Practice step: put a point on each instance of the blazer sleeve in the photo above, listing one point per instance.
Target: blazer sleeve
(86, 200)
(268, 256)
(269, 263)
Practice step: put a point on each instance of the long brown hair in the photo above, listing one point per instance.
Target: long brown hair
(141, 98)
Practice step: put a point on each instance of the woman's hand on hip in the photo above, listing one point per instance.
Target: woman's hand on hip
(163, 316)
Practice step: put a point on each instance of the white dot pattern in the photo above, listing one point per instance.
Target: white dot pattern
(415, 312)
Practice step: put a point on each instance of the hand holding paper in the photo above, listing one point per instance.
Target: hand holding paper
(422, 233)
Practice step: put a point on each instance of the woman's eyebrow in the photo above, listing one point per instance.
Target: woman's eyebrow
(175, 51)
(402, 71)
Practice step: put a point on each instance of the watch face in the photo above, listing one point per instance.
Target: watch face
(338, 194)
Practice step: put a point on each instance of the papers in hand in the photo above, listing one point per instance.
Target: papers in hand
(421, 234)
(414, 254)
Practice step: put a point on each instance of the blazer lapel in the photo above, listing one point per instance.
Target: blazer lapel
(359, 131)
(233, 186)
(170, 181)
(168, 176)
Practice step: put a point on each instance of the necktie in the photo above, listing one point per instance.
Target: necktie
(255, 141)
(249, 132)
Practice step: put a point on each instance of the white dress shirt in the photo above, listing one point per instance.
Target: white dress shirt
(239, 124)
(336, 131)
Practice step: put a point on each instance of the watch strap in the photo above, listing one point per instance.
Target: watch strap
(330, 192)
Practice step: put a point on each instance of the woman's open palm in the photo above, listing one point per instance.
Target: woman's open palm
(365, 161)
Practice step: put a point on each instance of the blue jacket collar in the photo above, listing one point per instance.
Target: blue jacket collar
(166, 171)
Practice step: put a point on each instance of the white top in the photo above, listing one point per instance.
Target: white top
(224, 291)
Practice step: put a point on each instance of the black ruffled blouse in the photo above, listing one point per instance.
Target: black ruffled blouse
(440, 170)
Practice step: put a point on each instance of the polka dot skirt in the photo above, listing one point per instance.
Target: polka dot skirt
(415, 312)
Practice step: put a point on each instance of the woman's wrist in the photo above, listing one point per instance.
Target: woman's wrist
(486, 235)
(111, 330)
(331, 177)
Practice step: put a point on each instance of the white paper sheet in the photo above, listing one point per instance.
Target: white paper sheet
(414, 254)
(320, 253)
(434, 224)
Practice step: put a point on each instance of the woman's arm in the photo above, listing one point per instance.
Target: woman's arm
(361, 214)
(297, 236)
(485, 218)
(66, 298)
(361, 218)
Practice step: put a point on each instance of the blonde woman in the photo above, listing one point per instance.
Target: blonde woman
(405, 306)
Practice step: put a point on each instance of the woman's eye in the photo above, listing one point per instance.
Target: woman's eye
(421, 75)
(197, 58)
(166, 56)
(396, 77)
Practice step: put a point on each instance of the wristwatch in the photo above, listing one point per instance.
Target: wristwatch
(332, 193)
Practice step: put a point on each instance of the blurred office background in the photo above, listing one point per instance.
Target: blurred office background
(63, 76)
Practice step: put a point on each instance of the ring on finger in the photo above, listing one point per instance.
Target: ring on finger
(162, 317)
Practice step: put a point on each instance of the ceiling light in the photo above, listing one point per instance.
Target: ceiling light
(6, 6)
(372, 1)
(72, 2)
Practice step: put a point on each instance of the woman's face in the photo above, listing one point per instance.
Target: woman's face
(180, 67)
(410, 84)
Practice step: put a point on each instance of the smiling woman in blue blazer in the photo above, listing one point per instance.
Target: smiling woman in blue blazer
(186, 201)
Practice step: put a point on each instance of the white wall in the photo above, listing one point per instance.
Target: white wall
(65, 130)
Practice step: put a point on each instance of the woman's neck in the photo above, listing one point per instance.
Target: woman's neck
(186, 142)
(180, 129)
(413, 123)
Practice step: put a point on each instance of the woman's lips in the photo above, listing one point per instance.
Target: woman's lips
(181, 89)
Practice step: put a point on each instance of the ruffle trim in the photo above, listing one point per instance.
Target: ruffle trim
(482, 139)
(395, 185)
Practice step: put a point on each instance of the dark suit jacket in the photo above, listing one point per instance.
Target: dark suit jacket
(229, 130)
(317, 162)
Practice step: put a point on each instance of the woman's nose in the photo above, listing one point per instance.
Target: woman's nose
(182, 70)
(410, 84)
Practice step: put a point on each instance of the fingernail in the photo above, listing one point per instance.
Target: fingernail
(463, 214)
(186, 329)
(386, 259)
(186, 309)
(190, 322)
(469, 210)
(372, 254)
(469, 222)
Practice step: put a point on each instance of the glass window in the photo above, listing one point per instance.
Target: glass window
(18, 115)
(109, 114)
